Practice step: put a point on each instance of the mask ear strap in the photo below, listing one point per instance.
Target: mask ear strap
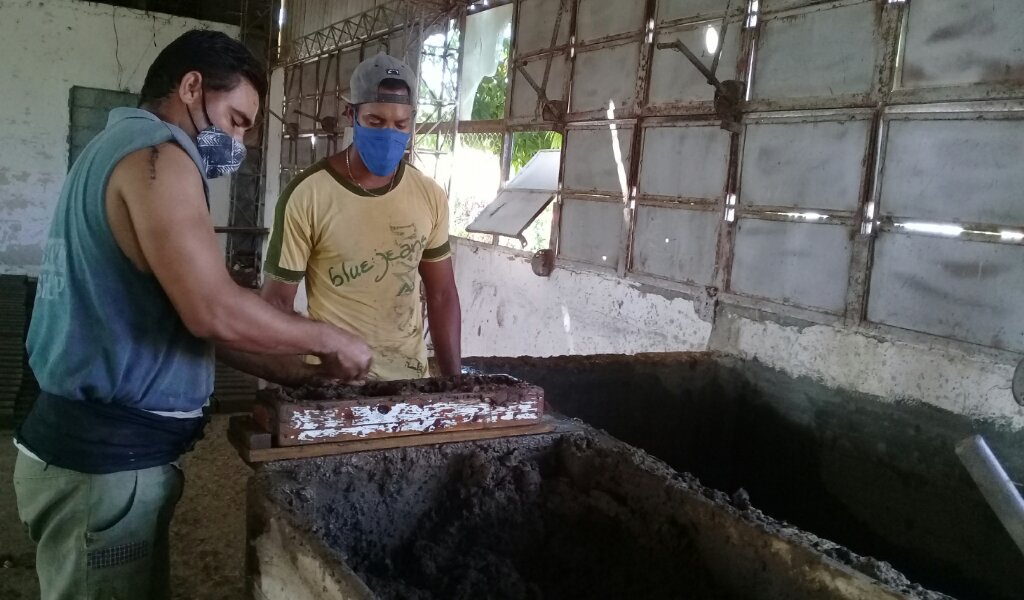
(205, 113)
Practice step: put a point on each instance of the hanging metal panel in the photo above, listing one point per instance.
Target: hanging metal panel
(963, 170)
(599, 18)
(597, 159)
(605, 79)
(803, 264)
(963, 42)
(675, 243)
(817, 164)
(822, 52)
(684, 162)
(674, 80)
(590, 231)
(965, 290)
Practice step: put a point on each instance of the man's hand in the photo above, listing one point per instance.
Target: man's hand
(343, 355)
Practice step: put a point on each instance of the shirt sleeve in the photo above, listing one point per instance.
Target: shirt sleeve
(438, 247)
(291, 237)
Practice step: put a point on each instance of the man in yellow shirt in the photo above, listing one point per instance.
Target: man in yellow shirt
(364, 228)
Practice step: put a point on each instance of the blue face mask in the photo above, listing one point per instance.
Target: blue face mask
(221, 153)
(380, 148)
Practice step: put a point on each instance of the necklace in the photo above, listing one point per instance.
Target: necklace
(348, 167)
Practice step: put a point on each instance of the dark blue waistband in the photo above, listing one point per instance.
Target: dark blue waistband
(97, 438)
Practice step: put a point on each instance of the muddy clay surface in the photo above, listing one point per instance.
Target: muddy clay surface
(378, 389)
(539, 517)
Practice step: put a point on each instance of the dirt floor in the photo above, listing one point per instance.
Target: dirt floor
(207, 535)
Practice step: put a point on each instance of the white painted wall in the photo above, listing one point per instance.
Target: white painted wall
(48, 47)
(509, 311)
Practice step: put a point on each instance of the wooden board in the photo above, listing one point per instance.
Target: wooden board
(393, 409)
(253, 444)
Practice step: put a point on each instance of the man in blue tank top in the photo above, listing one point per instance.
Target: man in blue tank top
(133, 302)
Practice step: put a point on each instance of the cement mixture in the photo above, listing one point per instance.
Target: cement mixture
(526, 519)
(378, 389)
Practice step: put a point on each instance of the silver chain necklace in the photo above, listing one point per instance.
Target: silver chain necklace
(348, 167)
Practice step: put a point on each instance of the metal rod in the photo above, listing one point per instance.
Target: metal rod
(721, 39)
(708, 75)
(995, 485)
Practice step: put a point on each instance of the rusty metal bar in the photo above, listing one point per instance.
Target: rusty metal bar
(708, 75)
(721, 39)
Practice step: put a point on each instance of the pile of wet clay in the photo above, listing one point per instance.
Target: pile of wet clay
(509, 524)
(379, 389)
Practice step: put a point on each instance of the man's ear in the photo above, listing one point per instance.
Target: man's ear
(190, 87)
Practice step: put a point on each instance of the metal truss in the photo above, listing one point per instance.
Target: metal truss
(374, 23)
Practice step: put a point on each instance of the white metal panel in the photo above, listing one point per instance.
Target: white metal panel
(521, 202)
(591, 231)
(674, 79)
(955, 170)
(956, 42)
(669, 10)
(537, 24)
(955, 288)
(805, 165)
(675, 243)
(600, 18)
(605, 78)
(524, 97)
(510, 212)
(539, 173)
(794, 263)
(821, 53)
(597, 160)
(688, 162)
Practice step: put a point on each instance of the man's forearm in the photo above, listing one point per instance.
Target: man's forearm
(290, 370)
(445, 318)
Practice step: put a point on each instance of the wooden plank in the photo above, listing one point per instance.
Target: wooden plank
(258, 455)
(243, 430)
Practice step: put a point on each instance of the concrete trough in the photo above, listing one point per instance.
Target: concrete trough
(878, 475)
(571, 514)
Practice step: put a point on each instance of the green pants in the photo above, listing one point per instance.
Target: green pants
(98, 537)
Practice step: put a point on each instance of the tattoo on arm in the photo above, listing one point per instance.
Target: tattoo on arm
(154, 154)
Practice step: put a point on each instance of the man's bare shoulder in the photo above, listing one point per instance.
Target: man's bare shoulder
(166, 162)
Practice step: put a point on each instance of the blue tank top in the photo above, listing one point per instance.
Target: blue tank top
(103, 331)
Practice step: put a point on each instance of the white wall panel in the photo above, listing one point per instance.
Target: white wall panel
(597, 160)
(955, 170)
(960, 289)
(805, 264)
(805, 165)
(955, 42)
(591, 231)
(606, 78)
(689, 162)
(821, 53)
(675, 243)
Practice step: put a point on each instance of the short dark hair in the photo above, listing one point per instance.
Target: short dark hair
(221, 60)
(392, 84)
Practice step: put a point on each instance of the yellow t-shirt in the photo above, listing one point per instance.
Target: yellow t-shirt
(360, 255)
